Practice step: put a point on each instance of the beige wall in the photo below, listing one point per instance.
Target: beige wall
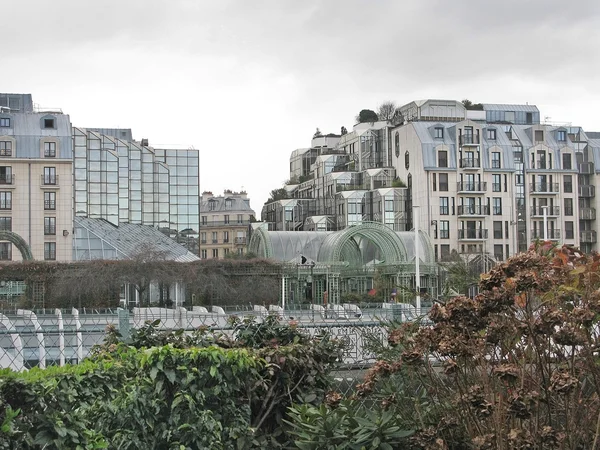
(28, 205)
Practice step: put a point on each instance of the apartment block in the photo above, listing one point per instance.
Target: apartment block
(36, 186)
(224, 224)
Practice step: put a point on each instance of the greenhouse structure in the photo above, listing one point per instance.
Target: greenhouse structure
(368, 259)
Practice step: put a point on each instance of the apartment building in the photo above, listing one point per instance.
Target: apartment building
(492, 180)
(36, 186)
(224, 224)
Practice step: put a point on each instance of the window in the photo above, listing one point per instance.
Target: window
(561, 135)
(539, 135)
(4, 122)
(5, 148)
(529, 118)
(444, 182)
(5, 251)
(444, 209)
(5, 223)
(204, 220)
(203, 237)
(49, 251)
(496, 183)
(569, 233)
(566, 161)
(444, 229)
(444, 252)
(203, 254)
(497, 229)
(568, 183)
(495, 160)
(434, 182)
(439, 133)
(49, 176)
(226, 218)
(215, 239)
(225, 252)
(509, 116)
(225, 236)
(568, 206)
(240, 251)
(49, 149)
(215, 252)
(228, 203)
(240, 218)
(49, 226)
(5, 200)
(48, 123)
(498, 252)
(407, 160)
(49, 201)
(491, 134)
(443, 158)
(497, 206)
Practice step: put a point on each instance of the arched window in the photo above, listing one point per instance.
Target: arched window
(397, 144)
(406, 160)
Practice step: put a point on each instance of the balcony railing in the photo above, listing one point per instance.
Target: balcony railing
(587, 191)
(471, 187)
(222, 223)
(49, 180)
(543, 188)
(49, 204)
(50, 230)
(588, 236)
(587, 213)
(495, 164)
(7, 179)
(586, 168)
(469, 163)
(553, 234)
(6, 205)
(473, 210)
(473, 234)
(468, 139)
(240, 240)
(539, 210)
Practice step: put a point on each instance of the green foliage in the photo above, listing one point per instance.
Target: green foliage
(277, 194)
(367, 115)
(349, 425)
(398, 183)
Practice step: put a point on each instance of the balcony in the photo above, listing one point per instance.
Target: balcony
(474, 235)
(588, 237)
(468, 139)
(469, 163)
(587, 191)
(240, 241)
(473, 210)
(543, 188)
(471, 187)
(539, 210)
(587, 213)
(553, 234)
(49, 181)
(586, 168)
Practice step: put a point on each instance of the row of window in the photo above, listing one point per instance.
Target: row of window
(6, 251)
(215, 252)
(472, 182)
(6, 149)
(50, 123)
(226, 219)
(240, 239)
(561, 135)
(6, 200)
(49, 177)
(500, 230)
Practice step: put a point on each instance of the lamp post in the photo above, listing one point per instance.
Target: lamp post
(417, 262)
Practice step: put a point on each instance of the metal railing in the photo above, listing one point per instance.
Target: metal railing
(588, 236)
(473, 234)
(471, 187)
(49, 180)
(587, 213)
(469, 163)
(587, 191)
(7, 179)
(468, 139)
(539, 210)
(50, 205)
(543, 188)
(473, 210)
(553, 234)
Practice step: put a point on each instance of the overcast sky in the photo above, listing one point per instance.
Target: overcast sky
(248, 81)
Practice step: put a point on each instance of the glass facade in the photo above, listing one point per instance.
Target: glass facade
(122, 181)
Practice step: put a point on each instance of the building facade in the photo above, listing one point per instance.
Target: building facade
(36, 186)
(224, 224)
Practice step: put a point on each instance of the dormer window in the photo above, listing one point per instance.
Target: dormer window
(4, 122)
(49, 149)
(228, 203)
(5, 148)
(539, 136)
(439, 133)
(491, 134)
(561, 135)
(212, 204)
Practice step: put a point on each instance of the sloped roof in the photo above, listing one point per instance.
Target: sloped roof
(218, 204)
(128, 238)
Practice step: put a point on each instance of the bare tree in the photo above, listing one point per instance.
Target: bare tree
(387, 110)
